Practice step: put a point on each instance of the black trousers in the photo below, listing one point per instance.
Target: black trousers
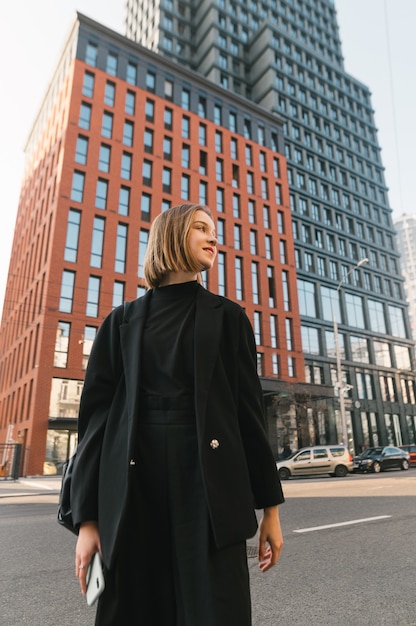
(168, 571)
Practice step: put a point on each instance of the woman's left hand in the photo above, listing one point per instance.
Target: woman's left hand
(270, 538)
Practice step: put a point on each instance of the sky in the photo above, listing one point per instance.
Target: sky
(379, 48)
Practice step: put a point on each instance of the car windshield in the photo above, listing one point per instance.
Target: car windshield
(371, 451)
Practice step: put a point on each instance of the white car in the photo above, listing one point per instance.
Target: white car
(335, 460)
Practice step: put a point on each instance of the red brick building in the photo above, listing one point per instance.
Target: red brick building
(121, 135)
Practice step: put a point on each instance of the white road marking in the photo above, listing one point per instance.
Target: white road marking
(354, 521)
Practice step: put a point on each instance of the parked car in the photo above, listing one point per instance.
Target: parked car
(335, 460)
(411, 449)
(381, 458)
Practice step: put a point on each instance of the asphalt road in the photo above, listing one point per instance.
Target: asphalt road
(349, 558)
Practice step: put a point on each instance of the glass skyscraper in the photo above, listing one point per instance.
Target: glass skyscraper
(286, 56)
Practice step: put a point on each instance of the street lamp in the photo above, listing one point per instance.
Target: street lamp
(343, 388)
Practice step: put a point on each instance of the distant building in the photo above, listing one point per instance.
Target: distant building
(122, 134)
(245, 107)
(405, 227)
(286, 56)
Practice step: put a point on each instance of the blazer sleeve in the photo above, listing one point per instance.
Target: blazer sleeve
(101, 379)
(265, 481)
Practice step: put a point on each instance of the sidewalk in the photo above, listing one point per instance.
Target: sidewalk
(30, 486)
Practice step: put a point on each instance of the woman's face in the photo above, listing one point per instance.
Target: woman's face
(203, 240)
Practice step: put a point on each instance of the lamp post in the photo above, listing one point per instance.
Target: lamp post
(343, 388)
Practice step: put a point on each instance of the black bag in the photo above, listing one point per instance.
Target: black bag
(64, 506)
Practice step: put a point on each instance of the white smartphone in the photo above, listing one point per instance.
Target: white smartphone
(95, 579)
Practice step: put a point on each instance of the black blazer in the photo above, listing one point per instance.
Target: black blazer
(238, 467)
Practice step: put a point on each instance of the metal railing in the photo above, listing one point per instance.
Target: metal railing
(10, 456)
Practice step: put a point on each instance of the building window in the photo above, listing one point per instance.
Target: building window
(121, 248)
(107, 125)
(185, 186)
(359, 349)
(217, 115)
(203, 192)
(77, 189)
(310, 340)
(118, 294)
(167, 148)
(220, 199)
(87, 341)
(397, 321)
(382, 353)
(168, 91)
(202, 135)
(101, 194)
(186, 127)
(147, 173)
(148, 140)
(97, 242)
(150, 111)
(109, 94)
(126, 164)
(330, 304)
(88, 85)
(131, 74)
(239, 284)
(128, 133)
(150, 81)
(124, 201)
(355, 312)
(237, 237)
(219, 167)
(67, 291)
(72, 236)
(255, 282)
(306, 295)
(221, 274)
(91, 54)
(257, 327)
(376, 316)
(145, 206)
(104, 158)
(81, 150)
(85, 116)
(167, 180)
(130, 104)
(236, 206)
(93, 296)
(186, 153)
(218, 141)
(168, 118)
(143, 240)
(273, 331)
(186, 99)
(61, 344)
(111, 65)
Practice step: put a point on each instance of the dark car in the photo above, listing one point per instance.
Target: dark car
(411, 449)
(381, 458)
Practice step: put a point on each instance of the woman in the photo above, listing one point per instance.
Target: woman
(173, 458)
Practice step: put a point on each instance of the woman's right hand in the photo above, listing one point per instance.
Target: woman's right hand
(88, 544)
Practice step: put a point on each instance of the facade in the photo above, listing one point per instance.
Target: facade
(286, 57)
(405, 227)
(122, 134)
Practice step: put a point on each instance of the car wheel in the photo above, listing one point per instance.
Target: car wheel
(284, 473)
(405, 464)
(376, 467)
(340, 471)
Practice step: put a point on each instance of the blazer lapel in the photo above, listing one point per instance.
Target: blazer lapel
(131, 333)
(208, 324)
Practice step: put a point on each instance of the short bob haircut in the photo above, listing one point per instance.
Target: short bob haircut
(168, 247)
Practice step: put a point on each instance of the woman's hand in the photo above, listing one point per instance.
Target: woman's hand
(269, 533)
(88, 544)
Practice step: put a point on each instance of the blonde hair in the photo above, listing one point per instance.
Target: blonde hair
(168, 249)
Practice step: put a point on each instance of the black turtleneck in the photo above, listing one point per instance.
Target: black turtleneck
(168, 341)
